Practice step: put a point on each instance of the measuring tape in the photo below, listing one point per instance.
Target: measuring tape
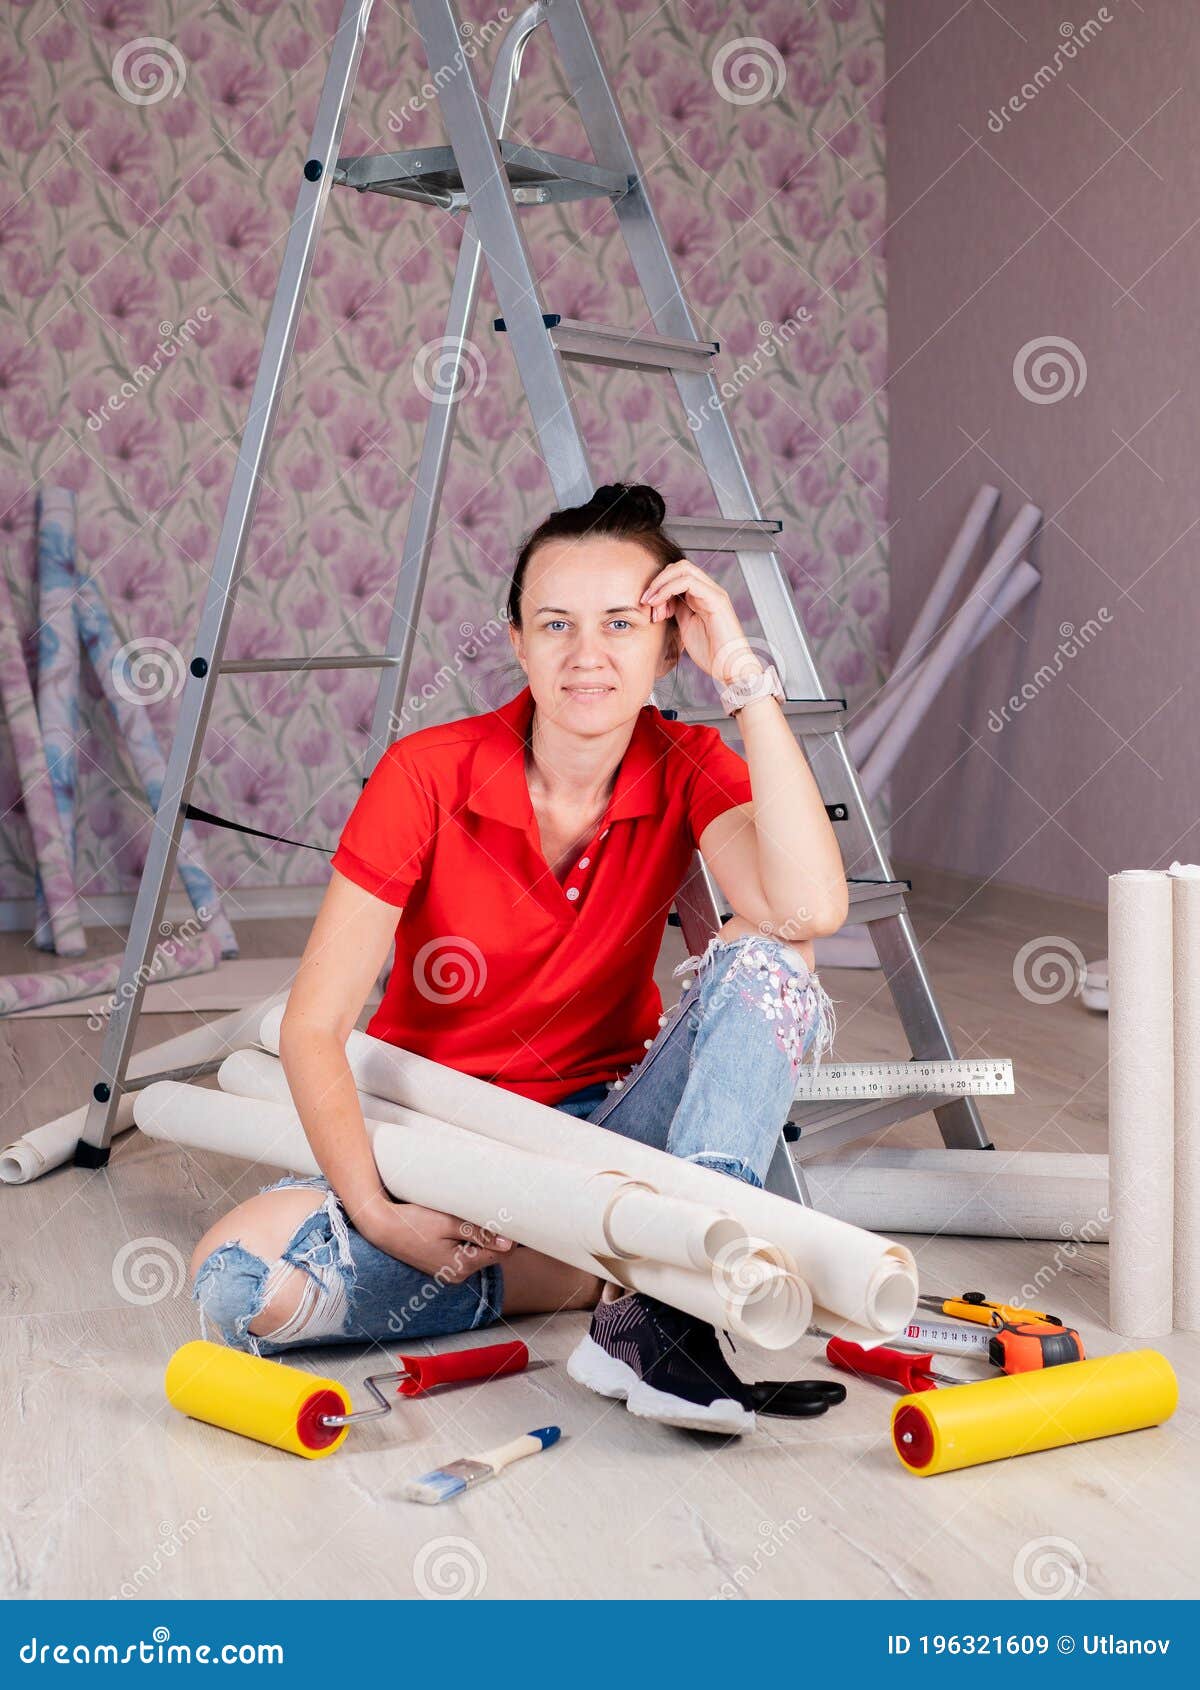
(966, 1078)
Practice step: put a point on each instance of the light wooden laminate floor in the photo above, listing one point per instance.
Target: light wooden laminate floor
(108, 1492)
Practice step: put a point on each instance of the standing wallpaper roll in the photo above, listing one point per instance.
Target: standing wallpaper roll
(1141, 1116)
(57, 672)
(1185, 903)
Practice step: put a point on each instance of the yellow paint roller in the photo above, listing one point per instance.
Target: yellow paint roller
(261, 1399)
(965, 1425)
(301, 1412)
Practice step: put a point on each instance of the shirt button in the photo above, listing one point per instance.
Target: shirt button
(647, 1043)
(663, 1019)
(584, 861)
(572, 893)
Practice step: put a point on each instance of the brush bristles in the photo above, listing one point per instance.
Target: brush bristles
(437, 1486)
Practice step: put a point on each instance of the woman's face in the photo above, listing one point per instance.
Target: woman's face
(587, 645)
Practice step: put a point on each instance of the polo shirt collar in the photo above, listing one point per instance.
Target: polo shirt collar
(499, 788)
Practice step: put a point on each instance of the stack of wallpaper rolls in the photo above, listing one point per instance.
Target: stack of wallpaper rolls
(1154, 1100)
(752, 1263)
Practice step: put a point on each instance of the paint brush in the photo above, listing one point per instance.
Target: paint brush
(458, 1476)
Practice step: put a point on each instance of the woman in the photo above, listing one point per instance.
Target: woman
(540, 846)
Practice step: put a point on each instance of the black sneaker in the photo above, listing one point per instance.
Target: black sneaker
(667, 1365)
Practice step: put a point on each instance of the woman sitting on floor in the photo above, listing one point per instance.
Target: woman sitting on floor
(541, 845)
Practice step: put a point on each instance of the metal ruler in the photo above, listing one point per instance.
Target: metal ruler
(964, 1077)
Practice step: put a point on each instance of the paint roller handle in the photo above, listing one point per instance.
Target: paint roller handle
(902, 1367)
(484, 1361)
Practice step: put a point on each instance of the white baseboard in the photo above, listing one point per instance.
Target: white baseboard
(115, 909)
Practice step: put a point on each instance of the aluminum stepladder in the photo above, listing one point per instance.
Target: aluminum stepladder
(487, 177)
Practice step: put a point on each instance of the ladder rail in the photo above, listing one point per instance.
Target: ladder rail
(204, 670)
(420, 530)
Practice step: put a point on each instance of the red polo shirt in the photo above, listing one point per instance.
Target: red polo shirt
(500, 970)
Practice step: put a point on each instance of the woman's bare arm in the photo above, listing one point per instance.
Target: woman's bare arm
(346, 949)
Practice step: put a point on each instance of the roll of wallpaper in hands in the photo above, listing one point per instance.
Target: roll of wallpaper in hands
(569, 1213)
(863, 1287)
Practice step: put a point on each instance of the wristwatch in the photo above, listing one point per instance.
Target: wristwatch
(766, 684)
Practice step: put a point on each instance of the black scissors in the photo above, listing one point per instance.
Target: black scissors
(797, 1399)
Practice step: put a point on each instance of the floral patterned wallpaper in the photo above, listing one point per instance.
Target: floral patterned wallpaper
(150, 158)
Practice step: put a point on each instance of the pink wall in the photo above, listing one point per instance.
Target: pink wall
(1099, 771)
(122, 219)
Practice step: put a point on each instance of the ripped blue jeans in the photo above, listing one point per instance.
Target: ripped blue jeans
(715, 1086)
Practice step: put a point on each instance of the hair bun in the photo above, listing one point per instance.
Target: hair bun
(638, 504)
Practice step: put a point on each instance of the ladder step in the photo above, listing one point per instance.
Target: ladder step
(875, 900)
(271, 665)
(431, 174)
(724, 534)
(815, 1129)
(592, 343)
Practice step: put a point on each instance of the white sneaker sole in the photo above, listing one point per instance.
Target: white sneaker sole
(593, 1367)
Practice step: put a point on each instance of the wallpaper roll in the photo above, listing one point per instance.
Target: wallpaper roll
(861, 737)
(968, 1193)
(949, 647)
(1016, 585)
(864, 1287)
(43, 1148)
(141, 742)
(49, 847)
(1141, 1123)
(57, 672)
(643, 1222)
(551, 1205)
(167, 962)
(681, 1234)
(1185, 906)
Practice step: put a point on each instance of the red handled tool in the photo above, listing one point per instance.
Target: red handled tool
(910, 1371)
(489, 1361)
